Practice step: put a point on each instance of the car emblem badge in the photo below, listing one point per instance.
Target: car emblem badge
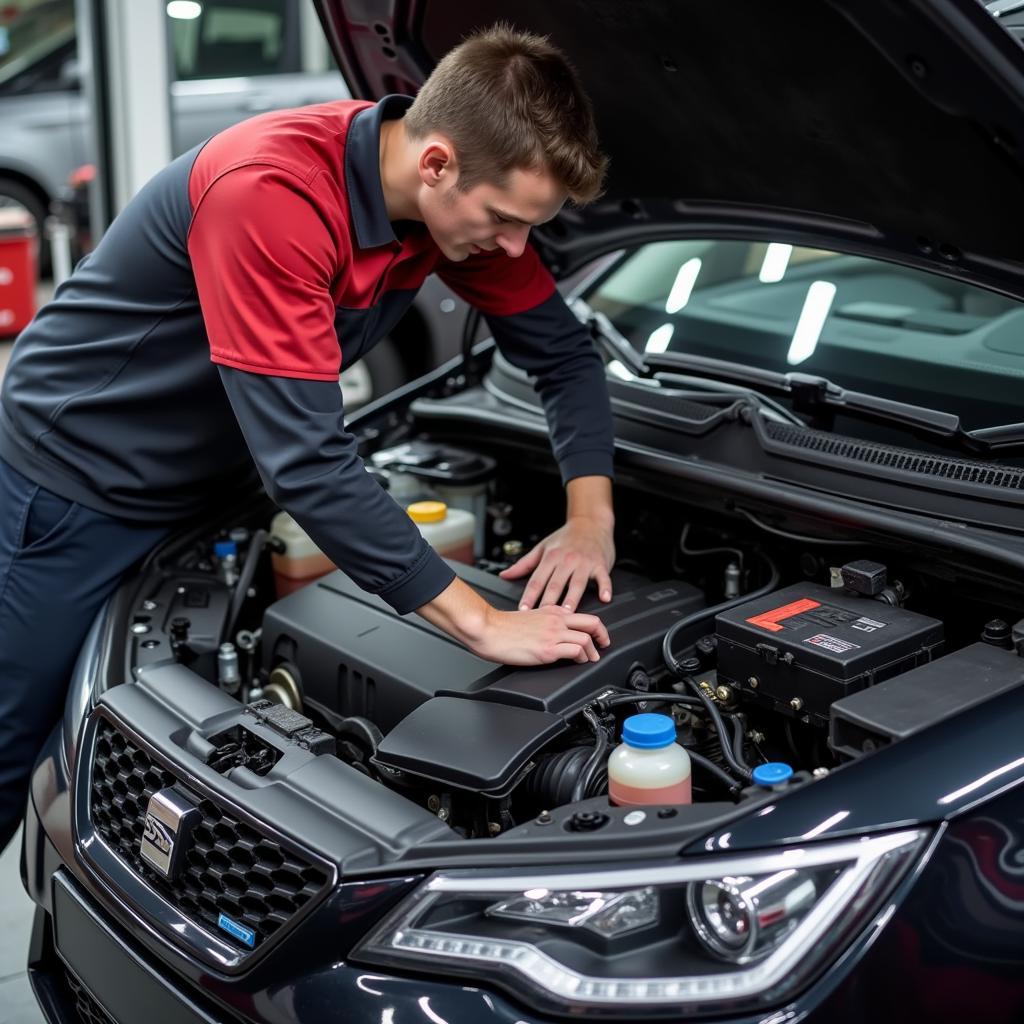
(170, 818)
(237, 930)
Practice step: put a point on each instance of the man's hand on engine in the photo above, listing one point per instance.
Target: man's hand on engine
(565, 562)
(536, 637)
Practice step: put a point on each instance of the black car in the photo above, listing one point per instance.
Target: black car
(806, 277)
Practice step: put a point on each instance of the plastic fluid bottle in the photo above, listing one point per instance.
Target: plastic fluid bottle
(302, 561)
(449, 531)
(648, 766)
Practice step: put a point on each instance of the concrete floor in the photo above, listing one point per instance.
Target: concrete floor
(17, 1004)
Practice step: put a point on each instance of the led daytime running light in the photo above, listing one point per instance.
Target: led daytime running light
(860, 863)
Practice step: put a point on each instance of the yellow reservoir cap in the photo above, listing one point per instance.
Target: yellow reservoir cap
(427, 511)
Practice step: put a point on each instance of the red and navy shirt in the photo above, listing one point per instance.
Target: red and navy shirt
(205, 334)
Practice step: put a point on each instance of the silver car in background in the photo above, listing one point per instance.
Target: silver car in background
(230, 59)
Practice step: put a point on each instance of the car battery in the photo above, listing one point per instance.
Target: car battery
(801, 648)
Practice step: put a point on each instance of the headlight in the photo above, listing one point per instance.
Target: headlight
(744, 919)
(693, 936)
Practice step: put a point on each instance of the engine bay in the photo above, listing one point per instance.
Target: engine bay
(762, 646)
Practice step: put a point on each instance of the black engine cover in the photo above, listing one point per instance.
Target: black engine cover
(355, 656)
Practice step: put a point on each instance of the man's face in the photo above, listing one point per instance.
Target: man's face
(488, 217)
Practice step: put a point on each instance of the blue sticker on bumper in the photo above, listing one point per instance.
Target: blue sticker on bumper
(236, 930)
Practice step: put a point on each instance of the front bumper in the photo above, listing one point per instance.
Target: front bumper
(94, 960)
(84, 970)
(949, 945)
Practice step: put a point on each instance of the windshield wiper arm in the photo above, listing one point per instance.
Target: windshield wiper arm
(817, 397)
(609, 339)
(823, 400)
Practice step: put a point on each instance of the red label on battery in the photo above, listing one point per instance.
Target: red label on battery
(770, 620)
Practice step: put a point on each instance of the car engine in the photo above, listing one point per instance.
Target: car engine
(828, 668)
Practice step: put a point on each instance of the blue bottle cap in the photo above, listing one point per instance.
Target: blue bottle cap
(773, 773)
(649, 731)
(225, 547)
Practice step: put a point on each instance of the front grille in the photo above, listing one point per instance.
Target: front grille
(88, 1010)
(230, 867)
(903, 459)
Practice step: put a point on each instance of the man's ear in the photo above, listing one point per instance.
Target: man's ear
(437, 162)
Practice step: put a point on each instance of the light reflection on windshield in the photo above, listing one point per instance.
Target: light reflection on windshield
(812, 320)
(659, 339)
(867, 325)
(776, 259)
(683, 286)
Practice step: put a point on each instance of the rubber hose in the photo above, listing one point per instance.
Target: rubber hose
(653, 697)
(551, 783)
(709, 766)
(244, 581)
(735, 763)
(709, 613)
(361, 731)
(585, 776)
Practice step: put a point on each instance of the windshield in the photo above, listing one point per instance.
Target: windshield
(864, 324)
(35, 34)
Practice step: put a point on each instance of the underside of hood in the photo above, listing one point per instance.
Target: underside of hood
(893, 128)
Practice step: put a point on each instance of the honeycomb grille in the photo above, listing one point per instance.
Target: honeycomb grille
(88, 1010)
(229, 868)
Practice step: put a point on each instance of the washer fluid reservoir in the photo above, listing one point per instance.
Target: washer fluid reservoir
(301, 562)
(449, 531)
(648, 766)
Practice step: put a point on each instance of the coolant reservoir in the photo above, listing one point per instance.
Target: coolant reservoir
(648, 766)
(302, 561)
(449, 531)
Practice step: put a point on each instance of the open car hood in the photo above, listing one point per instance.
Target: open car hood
(893, 129)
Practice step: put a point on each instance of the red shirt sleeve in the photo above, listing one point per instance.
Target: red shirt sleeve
(498, 285)
(264, 258)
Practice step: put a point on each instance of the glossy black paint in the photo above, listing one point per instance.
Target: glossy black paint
(946, 948)
(936, 775)
(952, 925)
(922, 99)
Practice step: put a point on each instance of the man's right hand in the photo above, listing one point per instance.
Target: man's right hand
(537, 636)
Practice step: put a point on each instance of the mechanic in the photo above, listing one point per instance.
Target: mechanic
(206, 332)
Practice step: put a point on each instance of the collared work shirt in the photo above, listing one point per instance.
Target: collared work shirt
(207, 330)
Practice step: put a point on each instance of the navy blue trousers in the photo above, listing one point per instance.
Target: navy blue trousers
(59, 562)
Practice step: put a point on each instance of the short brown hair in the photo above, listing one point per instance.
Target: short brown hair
(508, 101)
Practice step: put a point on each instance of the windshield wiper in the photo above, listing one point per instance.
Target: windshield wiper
(822, 400)
(813, 396)
(615, 345)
